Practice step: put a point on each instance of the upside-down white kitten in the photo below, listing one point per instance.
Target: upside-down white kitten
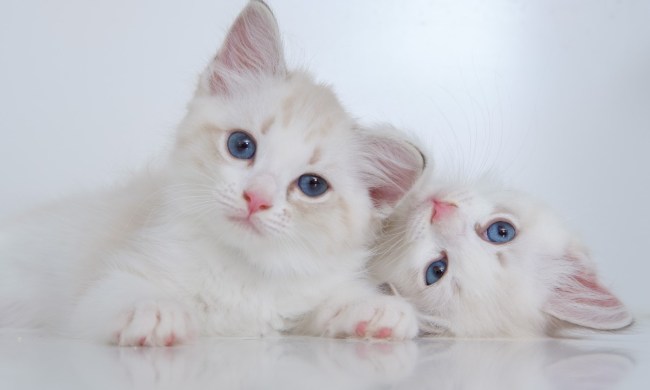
(257, 223)
(478, 260)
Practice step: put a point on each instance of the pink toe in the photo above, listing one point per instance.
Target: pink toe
(384, 333)
(361, 328)
(170, 340)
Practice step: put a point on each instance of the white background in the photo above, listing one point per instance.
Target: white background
(553, 96)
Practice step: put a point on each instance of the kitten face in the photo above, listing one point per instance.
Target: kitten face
(482, 261)
(269, 162)
(299, 132)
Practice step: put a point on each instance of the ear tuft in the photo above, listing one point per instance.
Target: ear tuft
(582, 300)
(392, 166)
(252, 48)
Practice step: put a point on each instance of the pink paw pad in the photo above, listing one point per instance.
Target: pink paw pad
(384, 333)
(361, 328)
(170, 340)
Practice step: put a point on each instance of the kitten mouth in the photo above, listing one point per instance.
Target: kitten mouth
(246, 223)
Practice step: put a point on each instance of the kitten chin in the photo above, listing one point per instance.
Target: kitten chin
(480, 260)
(257, 223)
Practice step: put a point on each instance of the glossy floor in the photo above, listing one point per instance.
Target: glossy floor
(602, 361)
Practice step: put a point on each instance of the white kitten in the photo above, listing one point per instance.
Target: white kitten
(257, 224)
(479, 260)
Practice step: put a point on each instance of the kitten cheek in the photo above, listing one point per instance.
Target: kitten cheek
(328, 212)
(308, 209)
(201, 152)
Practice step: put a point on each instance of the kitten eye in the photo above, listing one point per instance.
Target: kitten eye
(312, 185)
(435, 271)
(500, 232)
(241, 145)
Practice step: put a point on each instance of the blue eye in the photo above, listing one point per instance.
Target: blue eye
(241, 145)
(500, 232)
(435, 271)
(312, 185)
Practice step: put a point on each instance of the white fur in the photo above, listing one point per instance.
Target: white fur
(520, 288)
(163, 258)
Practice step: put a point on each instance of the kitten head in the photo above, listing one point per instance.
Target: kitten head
(479, 261)
(269, 162)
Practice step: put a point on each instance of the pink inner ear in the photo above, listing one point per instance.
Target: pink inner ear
(236, 50)
(252, 46)
(599, 296)
(247, 41)
(396, 166)
(389, 194)
(583, 301)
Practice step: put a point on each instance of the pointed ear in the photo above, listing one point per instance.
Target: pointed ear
(581, 299)
(391, 166)
(252, 48)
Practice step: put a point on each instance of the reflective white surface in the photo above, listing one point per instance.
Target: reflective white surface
(600, 361)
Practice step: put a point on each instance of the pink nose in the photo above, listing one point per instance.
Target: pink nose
(441, 209)
(256, 202)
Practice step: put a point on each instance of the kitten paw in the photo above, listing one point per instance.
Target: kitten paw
(155, 324)
(387, 318)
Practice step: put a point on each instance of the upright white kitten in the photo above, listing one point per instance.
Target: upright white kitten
(257, 224)
(481, 261)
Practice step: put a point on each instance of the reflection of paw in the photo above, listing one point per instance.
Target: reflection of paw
(386, 361)
(367, 364)
(155, 324)
(382, 317)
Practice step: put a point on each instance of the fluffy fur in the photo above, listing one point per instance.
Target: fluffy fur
(536, 284)
(177, 251)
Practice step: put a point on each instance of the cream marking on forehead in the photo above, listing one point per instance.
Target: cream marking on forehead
(500, 210)
(266, 125)
(315, 157)
(456, 286)
(501, 258)
(320, 129)
(287, 109)
(210, 128)
(315, 107)
(478, 228)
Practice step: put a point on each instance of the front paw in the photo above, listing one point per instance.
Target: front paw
(155, 323)
(383, 317)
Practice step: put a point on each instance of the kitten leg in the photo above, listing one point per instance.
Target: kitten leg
(127, 310)
(359, 313)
